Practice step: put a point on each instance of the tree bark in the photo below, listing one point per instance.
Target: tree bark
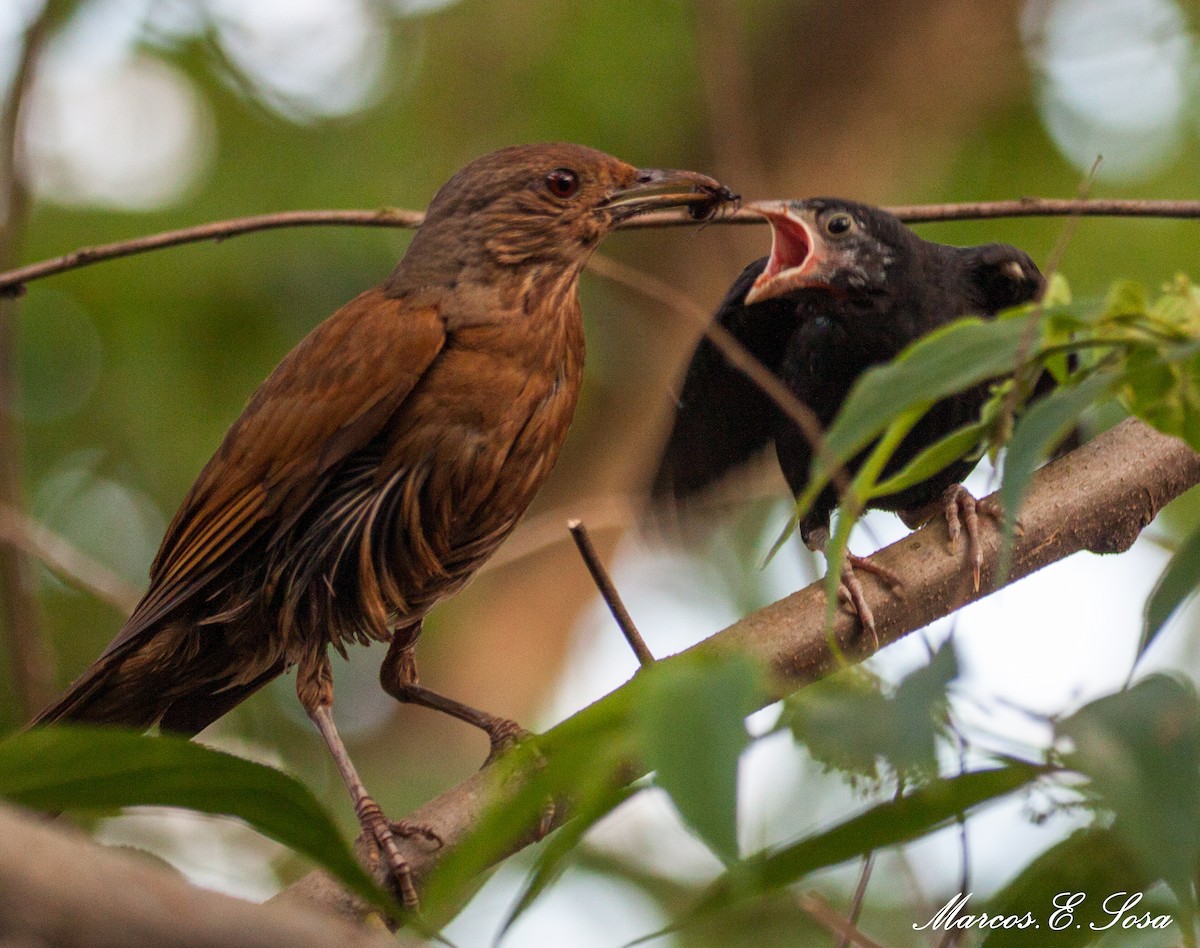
(59, 888)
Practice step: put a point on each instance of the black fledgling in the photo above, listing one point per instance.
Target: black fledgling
(847, 286)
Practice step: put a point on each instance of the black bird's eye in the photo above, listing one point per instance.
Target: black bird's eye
(839, 224)
(562, 182)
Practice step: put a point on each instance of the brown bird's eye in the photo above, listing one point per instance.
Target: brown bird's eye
(562, 182)
(839, 224)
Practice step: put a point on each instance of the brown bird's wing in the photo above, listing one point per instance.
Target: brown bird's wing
(302, 422)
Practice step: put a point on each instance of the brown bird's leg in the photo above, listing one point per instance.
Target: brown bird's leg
(398, 676)
(850, 589)
(314, 685)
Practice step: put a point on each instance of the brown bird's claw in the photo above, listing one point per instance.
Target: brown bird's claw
(372, 820)
(504, 736)
(410, 829)
(962, 513)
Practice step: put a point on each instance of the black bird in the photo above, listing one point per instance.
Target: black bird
(847, 286)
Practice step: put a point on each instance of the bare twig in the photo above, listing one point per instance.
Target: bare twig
(608, 589)
(860, 893)
(824, 914)
(12, 282)
(31, 660)
(734, 352)
(1033, 327)
(65, 560)
(1099, 497)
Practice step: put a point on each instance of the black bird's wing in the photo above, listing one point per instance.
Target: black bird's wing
(722, 418)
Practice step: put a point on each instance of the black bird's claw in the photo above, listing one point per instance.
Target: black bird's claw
(962, 513)
(851, 589)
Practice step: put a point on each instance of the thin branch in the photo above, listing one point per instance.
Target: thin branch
(1096, 498)
(734, 352)
(12, 282)
(608, 589)
(66, 561)
(860, 893)
(823, 914)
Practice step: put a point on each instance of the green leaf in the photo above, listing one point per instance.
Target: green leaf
(932, 459)
(964, 353)
(1177, 582)
(1141, 749)
(887, 824)
(1043, 426)
(77, 767)
(552, 860)
(1125, 298)
(1094, 862)
(847, 722)
(692, 724)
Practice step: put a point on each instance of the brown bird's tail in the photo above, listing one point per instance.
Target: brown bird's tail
(137, 686)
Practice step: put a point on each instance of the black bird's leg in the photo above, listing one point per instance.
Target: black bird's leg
(398, 676)
(850, 588)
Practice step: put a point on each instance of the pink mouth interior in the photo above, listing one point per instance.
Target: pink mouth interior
(790, 246)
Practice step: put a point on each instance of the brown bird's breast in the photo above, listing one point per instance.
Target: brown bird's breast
(478, 437)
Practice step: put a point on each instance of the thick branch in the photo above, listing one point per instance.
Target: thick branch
(12, 282)
(45, 899)
(1097, 498)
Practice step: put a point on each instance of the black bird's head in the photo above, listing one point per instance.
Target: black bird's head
(863, 254)
(839, 246)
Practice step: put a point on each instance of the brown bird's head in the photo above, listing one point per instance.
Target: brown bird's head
(531, 205)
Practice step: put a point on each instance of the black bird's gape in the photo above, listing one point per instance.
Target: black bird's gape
(845, 287)
(792, 256)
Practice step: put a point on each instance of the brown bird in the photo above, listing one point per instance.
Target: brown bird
(384, 459)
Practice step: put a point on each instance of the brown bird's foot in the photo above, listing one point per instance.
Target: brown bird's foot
(370, 817)
(383, 832)
(410, 829)
(503, 734)
(962, 512)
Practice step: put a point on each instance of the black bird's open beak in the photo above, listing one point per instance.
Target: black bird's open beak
(655, 189)
(797, 251)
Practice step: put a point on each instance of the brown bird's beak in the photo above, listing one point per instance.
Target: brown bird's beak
(798, 253)
(655, 189)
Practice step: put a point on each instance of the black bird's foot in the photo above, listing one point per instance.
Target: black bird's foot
(850, 588)
(851, 591)
(962, 512)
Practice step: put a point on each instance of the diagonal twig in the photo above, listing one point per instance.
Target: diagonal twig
(65, 560)
(608, 590)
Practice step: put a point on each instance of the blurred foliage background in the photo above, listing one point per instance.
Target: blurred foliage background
(142, 115)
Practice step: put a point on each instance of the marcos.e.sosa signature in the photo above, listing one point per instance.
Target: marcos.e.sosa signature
(1119, 911)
